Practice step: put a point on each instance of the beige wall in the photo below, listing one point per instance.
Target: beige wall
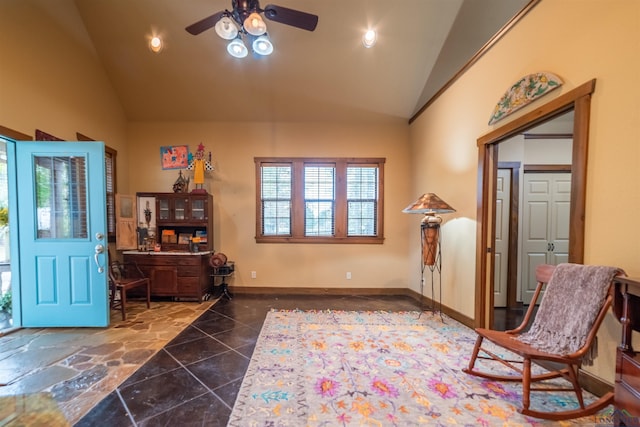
(578, 41)
(232, 184)
(52, 79)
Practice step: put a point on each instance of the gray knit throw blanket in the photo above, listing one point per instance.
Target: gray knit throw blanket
(571, 302)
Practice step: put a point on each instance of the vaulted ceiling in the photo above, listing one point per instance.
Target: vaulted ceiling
(326, 74)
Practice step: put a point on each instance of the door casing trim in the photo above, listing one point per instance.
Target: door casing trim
(578, 99)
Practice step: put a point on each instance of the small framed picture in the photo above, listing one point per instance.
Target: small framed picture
(184, 238)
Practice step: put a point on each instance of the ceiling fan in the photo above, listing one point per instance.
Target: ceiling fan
(244, 21)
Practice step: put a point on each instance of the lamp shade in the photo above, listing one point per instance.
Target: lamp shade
(429, 203)
(237, 48)
(226, 28)
(262, 45)
(254, 25)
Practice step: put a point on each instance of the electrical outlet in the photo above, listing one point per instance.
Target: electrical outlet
(348, 275)
(253, 275)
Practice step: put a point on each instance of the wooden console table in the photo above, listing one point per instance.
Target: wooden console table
(627, 389)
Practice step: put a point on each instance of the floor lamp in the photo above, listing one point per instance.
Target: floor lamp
(430, 206)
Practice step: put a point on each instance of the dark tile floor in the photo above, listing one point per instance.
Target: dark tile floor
(194, 379)
(505, 318)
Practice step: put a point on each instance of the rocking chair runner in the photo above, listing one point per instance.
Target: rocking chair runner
(565, 339)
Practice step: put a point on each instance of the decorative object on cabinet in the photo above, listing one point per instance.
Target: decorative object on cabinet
(169, 236)
(174, 157)
(181, 185)
(199, 166)
(126, 236)
(562, 334)
(430, 205)
(146, 214)
(202, 235)
(626, 308)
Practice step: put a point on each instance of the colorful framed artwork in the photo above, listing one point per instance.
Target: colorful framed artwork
(174, 157)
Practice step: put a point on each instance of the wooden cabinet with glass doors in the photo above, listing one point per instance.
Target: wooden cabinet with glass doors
(181, 217)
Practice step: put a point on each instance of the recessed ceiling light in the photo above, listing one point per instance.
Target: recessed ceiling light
(155, 44)
(369, 38)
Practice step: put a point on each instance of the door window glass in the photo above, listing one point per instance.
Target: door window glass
(61, 197)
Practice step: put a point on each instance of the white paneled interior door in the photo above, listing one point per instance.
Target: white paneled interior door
(545, 225)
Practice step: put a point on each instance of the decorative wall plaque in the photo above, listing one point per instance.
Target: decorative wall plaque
(523, 92)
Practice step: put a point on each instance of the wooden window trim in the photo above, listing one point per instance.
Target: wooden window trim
(297, 212)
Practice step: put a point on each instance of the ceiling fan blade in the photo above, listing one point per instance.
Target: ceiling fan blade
(295, 18)
(205, 23)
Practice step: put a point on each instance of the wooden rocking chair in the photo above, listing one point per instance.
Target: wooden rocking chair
(566, 363)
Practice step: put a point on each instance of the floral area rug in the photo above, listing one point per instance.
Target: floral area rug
(342, 368)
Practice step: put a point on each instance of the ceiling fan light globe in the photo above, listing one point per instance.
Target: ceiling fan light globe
(237, 49)
(254, 25)
(262, 46)
(226, 28)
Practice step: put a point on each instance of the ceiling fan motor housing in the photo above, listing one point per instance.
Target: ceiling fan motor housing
(243, 8)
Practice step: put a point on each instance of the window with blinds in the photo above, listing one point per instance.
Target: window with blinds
(325, 200)
(319, 200)
(276, 185)
(362, 200)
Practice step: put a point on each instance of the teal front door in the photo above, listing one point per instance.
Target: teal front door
(62, 233)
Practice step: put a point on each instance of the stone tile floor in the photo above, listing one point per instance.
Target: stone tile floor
(70, 370)
(176, 363)
(195, 378)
